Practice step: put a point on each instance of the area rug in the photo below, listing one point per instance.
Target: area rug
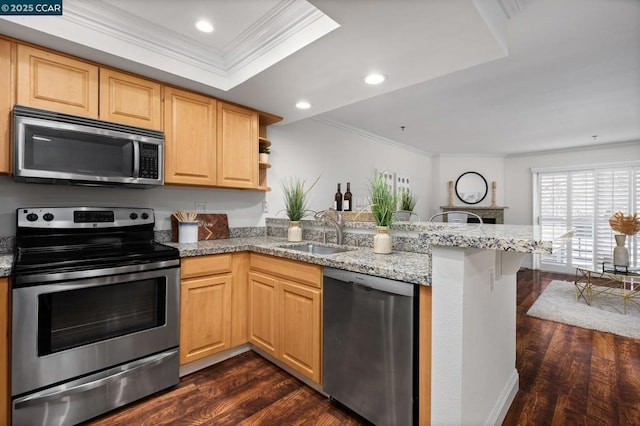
(558, 303)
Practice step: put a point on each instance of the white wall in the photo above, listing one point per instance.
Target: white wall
(307, 149)
(450, 167)
(519, 182)
(244, 208)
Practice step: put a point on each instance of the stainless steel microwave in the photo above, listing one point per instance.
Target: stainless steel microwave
(50, 147)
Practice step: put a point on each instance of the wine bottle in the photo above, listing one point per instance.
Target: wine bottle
(337, 201)
(346, 204)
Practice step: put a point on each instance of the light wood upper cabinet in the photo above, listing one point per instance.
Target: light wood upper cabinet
(285, 312)
(205, 306)
(190, 138)
(6, 103)
(237, 146)
(131, 100)
(55, 82)
(5, 347)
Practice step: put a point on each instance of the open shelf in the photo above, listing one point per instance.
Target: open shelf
(264, 165)
(264, 141)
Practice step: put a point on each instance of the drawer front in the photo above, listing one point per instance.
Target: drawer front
(300, 272)
(205, 265)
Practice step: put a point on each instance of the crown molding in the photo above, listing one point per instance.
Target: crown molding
(575, 149)
(513, 7)
(282, 22)
(286, 28)
(372, 136)
(117, 23)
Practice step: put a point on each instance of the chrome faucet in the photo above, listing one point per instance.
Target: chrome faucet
(337, 224)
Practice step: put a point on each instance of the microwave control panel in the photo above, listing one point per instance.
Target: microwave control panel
(149, 160)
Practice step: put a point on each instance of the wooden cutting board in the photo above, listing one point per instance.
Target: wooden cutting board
(211, 226)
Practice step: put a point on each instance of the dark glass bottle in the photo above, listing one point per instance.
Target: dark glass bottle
(337, 201)
(347, 203)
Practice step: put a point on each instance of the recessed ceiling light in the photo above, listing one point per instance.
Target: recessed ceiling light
(375, 78)
(204, 26)
(303, 105)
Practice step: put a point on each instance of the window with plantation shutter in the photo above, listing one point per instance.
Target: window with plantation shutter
(584, 199)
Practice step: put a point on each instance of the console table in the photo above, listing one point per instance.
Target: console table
(488, 214)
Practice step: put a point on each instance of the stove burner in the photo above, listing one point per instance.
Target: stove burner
(80, 239)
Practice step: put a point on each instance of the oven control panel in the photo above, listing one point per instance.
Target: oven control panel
(83, 217)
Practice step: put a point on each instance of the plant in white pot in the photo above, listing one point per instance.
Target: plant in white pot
(295, 205)
(383, 206)
(407, 204)
(264, 152)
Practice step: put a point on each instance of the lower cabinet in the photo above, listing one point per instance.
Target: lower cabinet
(285, 312)
(205, 306)
(5, 349)
(213, 314)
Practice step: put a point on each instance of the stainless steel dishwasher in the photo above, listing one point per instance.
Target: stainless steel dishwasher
(368, 352)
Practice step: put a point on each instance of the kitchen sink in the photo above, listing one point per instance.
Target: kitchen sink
(316, 248)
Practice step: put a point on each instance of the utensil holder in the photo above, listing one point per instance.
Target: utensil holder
(187, 232)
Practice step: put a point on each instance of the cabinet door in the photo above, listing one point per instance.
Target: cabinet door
(205, 318)
(263, 309)
(6, 103)
(130, 100)
(5, 347)
(239, 292)
(55, 82)
(190, 138)
(300, 329)
(237, 146)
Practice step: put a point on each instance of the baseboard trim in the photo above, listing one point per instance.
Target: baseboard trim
(194, 366)
(505, 399)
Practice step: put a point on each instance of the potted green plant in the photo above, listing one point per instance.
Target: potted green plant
(264, 152)
(295, 205)
(383, 206)
(407, 204)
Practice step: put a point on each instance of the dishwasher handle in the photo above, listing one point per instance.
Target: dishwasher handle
(375, 283)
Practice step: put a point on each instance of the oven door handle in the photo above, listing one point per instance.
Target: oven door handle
(57, 393)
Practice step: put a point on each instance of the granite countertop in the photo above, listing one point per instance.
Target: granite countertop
(6, 260)
(516, 238)
(402, 266)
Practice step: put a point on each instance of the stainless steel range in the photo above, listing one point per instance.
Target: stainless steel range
(95, 313)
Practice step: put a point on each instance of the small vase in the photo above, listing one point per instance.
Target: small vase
(620, 252)
(382, 240)
(263, 157)
(294, 233)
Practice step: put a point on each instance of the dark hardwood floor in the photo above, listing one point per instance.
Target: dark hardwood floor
(571, 375)
(568, 376)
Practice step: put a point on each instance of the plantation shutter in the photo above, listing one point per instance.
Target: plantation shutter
(585, 199)
(553, 218)
(581, 218)
(614, 194)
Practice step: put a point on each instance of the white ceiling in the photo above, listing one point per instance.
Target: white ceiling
(485, 77)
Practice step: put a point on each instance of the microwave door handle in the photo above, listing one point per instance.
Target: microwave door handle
(136, 159)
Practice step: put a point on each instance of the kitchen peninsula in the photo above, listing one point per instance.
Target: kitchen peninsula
(467, 275)
(467, 279)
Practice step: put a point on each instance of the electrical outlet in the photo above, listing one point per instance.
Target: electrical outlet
(265, 206)
(201, 207)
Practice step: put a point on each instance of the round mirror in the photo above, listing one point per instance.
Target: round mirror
(471, 187)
